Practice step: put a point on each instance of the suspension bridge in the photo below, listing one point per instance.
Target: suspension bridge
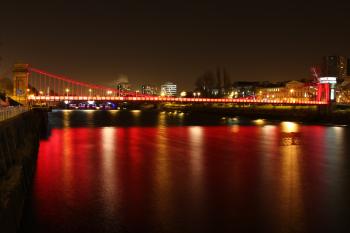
(35, 85)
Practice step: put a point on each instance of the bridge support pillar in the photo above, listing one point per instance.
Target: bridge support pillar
(326, 110)
(20, 82)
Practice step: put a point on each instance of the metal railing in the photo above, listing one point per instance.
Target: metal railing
(12, 111)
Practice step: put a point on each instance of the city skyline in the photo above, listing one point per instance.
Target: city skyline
(158, 42)
(174, 116)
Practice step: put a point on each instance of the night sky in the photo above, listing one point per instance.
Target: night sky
(157, 41)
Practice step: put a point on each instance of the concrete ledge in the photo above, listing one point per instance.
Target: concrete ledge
(19, 146)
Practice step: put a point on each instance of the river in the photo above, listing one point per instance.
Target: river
(137, 171)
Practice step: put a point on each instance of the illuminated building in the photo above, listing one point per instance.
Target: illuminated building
(343, 92)
(271, 93)
(168, 89)
(293, 90)
(149, 90)
(124, 86)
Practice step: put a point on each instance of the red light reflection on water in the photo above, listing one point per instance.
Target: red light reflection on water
(185, 179)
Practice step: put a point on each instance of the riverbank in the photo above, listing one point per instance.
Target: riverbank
(19, 138)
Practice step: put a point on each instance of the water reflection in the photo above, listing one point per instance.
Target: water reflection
(259, 121)
(176, 176)
(289, 127)
(67, 165)
(196, 144)
(235, 128)
(162, 176)
(290, 134)
(268, 139)
(109, 182)
(66, 118)
(290, 196)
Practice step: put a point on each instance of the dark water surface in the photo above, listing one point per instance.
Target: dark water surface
(119, 171)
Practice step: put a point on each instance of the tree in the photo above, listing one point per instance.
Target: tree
(6, 85)
(205, 83)
(218, 79)
(227, 80)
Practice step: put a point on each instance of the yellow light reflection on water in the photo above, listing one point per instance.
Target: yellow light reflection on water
(289, 127)
(109, 182)
(290, 194)
(66, 118)
(162, 120)
(196, 140)
(114, 112)
(90, 115)
(259, 121)
(136, 111)
(162, 172)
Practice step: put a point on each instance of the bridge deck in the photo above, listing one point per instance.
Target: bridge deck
(171, 99)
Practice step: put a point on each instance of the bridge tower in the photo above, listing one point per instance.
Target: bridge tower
(326, 91)
(325, 85)
(20, 82)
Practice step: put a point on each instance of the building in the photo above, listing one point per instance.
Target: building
(275, 93)
(293, 90)
(168, 89)
(343, 92)
(335, 66)
(300, 91)
(124, 86)
(149, 90)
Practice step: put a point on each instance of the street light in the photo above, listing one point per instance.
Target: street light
(67, 91)
(90, 92)
(119, 87)
(196, 94)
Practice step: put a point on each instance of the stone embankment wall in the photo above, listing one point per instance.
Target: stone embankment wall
(19, 144)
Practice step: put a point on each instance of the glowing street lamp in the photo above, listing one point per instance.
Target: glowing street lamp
(183, 94)
(67, 91)
(196, 94)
